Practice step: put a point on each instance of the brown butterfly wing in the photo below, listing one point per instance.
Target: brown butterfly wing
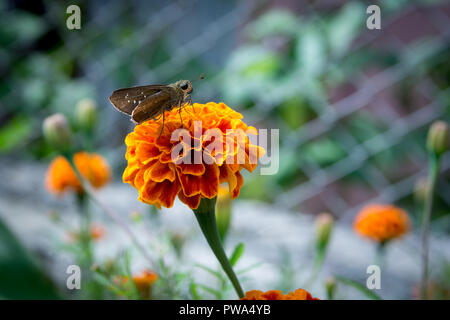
(127, 99)
(153, 106)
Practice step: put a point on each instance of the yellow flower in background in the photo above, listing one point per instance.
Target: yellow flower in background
(381, 222)
(299, 294)
(61, 177)
(160, 178)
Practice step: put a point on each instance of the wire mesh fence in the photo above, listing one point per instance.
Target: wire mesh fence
(355, 127)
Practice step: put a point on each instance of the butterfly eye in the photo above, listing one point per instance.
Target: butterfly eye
(184, 86)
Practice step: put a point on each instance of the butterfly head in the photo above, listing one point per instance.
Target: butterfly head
(186, 86)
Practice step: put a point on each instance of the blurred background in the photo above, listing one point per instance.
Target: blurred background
(353, 105)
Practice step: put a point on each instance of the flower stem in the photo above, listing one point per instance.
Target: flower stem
(206, 218)
(380, 254)
(433, 174)
(85, 223)
(110, 212)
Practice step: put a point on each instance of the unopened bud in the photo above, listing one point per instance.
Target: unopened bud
(178, 240)
(136, 216)
(324, 225)
(330, 287)
(57, 131)
(437, 141)
(86, 113)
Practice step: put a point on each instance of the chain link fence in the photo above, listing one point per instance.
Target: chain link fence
(362, 138)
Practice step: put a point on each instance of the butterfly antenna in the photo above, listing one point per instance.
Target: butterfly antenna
(200, 77)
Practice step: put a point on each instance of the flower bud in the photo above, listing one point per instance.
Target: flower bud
(136, 216)
(437, 141)
(178, 241)
(57, 131)
(330, 287)
(421, 189)
(86, 113)
(324, 226)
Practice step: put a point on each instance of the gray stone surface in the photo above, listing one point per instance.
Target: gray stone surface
(266, 231)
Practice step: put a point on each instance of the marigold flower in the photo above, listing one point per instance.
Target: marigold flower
(61, 176)
(160, 178)
(143, 282)
(145, 279)
(381, 222)
(299, 294)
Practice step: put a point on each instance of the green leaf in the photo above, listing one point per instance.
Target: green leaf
(249, 268)
(107, 283)
(211, 271)
(210, 290)
(274, 22)
(344, 27)
(15, 132)
(310, 52)
(193, 290)
(237, 253)
(20, 276)
(367, 292)
(323, 152)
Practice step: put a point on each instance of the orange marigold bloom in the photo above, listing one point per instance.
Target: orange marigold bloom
(160, 179)
(61, 176)
(145, 279)
(299, 294)
(381, 222)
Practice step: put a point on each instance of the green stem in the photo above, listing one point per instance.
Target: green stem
(433, 174)
(85, 222)
(380, 253)
(317, 266)
(206, 218)
(110, 212)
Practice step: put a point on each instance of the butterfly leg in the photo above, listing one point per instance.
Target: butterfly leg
(162, 127)
(190, 102)
(179, 112)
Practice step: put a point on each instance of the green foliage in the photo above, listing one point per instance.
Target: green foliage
(358, 286)
(223, 283)
(15, 133)
(20, 276)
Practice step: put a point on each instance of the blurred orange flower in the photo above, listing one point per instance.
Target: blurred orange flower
(145, 279)
(196, 173)
(96, 232)
(381, 222)
(299, 294)
(61, 177)
(143, 282)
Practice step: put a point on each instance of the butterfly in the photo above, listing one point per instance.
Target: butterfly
(149, 102)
